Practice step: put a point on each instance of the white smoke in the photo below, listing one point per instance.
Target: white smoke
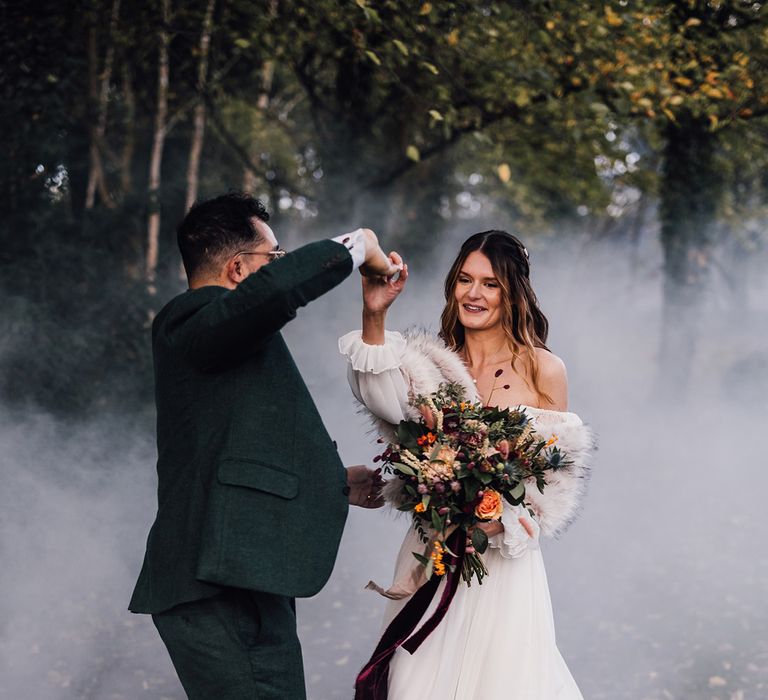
(658, 589)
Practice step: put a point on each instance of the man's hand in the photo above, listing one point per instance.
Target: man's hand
(377, 263)
(364, 486)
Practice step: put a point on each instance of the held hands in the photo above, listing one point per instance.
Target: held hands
(379, 292)
(365, 486)
(377, 263)
(378, 295)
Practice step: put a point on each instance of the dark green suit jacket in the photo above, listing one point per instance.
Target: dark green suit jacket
(252, 493)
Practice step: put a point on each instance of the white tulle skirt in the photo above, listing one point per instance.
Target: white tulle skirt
(496, 642)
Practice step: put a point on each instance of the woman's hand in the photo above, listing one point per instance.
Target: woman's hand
(496, 527)
(491, 528)
(378, 295)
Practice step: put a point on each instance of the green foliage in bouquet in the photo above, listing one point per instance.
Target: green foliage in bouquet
(458, 464)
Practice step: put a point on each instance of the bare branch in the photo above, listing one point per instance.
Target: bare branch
(242, 153)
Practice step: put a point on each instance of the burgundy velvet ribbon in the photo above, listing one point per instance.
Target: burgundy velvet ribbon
(371, 683)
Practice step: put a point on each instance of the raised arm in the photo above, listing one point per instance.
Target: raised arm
(374, 354)
(378, 295)
(238, 321)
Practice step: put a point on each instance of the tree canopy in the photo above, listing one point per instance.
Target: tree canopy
(118, 114)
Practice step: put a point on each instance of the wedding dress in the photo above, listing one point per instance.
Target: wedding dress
(497, 640)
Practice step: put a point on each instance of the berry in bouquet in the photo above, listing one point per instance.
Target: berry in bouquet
(457, 467)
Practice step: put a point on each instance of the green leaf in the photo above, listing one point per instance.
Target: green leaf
(435, 115)
(401, 47)
(405, 469)
(522, 98)
(471, 487)
(408, 432)
(485, 477)
(430, 67)
(437, 521)
(516, 495)
(373, 57)
(242, 43)
(424, 560)
(479, 540)
(412, 153)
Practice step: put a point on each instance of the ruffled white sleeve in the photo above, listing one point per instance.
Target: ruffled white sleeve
(515, 540)
(374, 374)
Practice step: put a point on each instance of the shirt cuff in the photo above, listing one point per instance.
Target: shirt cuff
(355, 244)
(515, 541)
(373, 359)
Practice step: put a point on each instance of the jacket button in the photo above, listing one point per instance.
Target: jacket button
(346, 490)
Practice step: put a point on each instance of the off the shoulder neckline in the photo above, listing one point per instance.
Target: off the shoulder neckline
(549, 412)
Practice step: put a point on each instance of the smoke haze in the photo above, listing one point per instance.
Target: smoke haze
(658, 589)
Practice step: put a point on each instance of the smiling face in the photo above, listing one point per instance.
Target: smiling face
(478, 293)
(488, 286)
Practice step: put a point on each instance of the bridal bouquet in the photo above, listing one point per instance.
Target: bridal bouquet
(458, 465)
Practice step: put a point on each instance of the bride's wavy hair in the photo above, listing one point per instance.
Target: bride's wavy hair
(524, 324)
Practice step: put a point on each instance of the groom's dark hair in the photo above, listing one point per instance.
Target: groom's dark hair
(216, 228)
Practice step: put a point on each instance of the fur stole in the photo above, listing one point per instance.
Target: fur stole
(426, 363)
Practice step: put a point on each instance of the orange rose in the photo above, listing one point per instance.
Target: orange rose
(491, 506)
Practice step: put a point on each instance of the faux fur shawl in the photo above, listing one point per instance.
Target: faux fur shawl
(426, 363)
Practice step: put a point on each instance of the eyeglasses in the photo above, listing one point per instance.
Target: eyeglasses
(275, 254)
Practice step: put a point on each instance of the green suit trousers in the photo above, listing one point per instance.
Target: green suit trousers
(237, 645)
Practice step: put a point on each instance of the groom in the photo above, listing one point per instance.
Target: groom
(252, 495)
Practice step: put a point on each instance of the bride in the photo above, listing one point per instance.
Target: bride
(497, 640)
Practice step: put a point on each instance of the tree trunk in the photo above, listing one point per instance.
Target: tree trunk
(129, 142)
(250, 181)
(99, 93)
(635, 235)
(196, 146)
(690, 192)
(158, 142)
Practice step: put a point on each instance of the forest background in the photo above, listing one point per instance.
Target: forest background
(629, 134)
(604, 119)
